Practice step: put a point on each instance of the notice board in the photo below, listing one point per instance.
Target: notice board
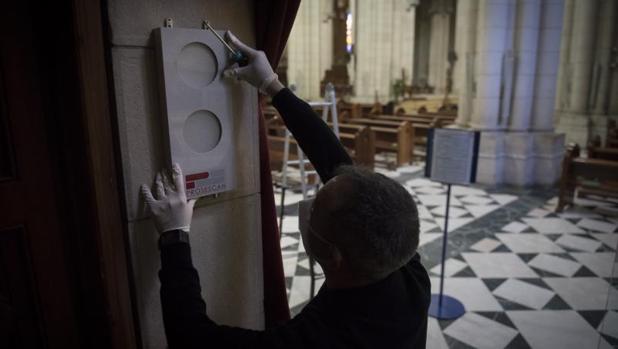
(452, 155)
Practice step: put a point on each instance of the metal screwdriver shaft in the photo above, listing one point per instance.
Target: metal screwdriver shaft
(237, 56)
(207, 26)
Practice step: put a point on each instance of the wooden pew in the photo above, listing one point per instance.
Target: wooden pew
(596, 151)
(358, 140)
(589, 176)
(612, 135)
(392, 136)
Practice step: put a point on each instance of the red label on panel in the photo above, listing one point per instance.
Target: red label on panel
(196, 176)
(190, 185)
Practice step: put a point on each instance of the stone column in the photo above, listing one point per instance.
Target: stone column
(527, 22)
(601, 80)
(576, 79)
(439, 45)
(492, 29)
(548, 145)
(465, 47)
(384, 47)
(545, 84)
(309, 48)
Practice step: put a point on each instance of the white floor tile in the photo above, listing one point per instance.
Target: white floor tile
(428, 237)
(301, 289)
(610, 240)
(578, 212)
(472, 292)
(528, 243)
(481, 210)
(452, 266)
(316, 266)
(453, 223)
(524, 293)
(596, 225)
(288, 241)
(423, 212)
(437, 200)
(555, 329)
(600, 263)
(422, 182)
(609, 326)
(538, 212)
(578, 243)
(427, 226)
(289, 266)
(480, 332)
(429, 190)
(453, 212)
(515, 227)
(476, 200)
(460, 190)
(498, 265)
(435, 338)
(590, 202)
(503, 199)
(290, 224)
(582, 293)
(556, 265)
(485, 245)
(387, 173)
(410, 169)
(552, 225)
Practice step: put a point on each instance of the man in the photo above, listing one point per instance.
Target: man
(363, 230)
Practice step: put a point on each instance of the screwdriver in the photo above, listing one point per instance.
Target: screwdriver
(235, 55)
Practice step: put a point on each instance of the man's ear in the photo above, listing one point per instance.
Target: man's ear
(331, 259)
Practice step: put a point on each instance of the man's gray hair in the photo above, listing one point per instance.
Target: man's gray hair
(377, 226)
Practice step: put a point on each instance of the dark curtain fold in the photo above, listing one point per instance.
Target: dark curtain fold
(274, 19)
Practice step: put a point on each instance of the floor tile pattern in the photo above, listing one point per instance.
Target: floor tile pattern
(528, 277)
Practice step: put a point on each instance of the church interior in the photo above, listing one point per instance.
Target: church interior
(498, 117)
(533, 261)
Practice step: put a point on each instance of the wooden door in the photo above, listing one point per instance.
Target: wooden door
(36, 307)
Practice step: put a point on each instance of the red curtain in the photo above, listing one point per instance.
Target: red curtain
(273, 21)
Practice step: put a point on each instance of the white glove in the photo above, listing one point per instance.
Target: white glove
(170, 210)
(258, 72)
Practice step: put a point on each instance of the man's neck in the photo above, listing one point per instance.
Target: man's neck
(342, 280)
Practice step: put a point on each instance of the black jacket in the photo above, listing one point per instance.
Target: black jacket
(391, 313)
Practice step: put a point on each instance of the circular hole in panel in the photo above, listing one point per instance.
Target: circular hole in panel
(197, 65)
(202, 131)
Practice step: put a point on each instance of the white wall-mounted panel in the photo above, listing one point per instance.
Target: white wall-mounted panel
(199, 105)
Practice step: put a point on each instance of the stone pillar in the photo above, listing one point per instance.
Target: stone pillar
(465, 47)
(410, 24)
(513, 61)
(548, 145)
(439, 44)
(310, 47)
(384, 47)
(576, 78)
(601, 80)
(527, 22)
(545, 84)
(492, 29)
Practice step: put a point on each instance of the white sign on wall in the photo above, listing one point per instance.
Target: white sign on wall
(198, 107)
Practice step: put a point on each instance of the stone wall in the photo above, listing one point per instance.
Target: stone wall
(225, 232)
(506, 76)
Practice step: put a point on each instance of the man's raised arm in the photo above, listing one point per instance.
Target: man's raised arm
(313, 135)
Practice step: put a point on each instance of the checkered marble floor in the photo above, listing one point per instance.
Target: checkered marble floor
(528, 277)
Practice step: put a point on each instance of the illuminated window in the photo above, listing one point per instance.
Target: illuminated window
(349, 41)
